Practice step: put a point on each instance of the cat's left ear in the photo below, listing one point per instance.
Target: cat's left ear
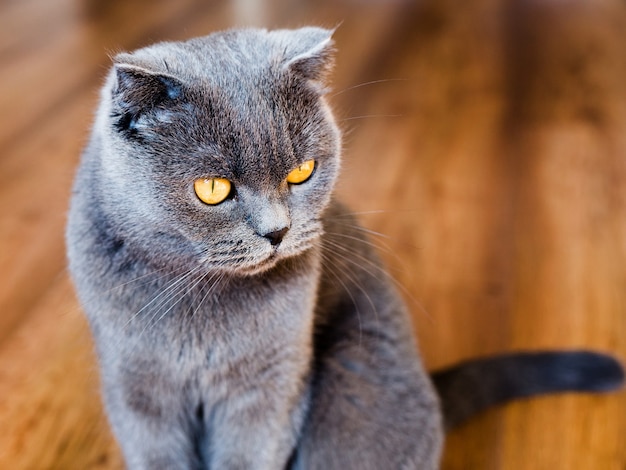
(141, 98)
(310, 53)
(138, 86)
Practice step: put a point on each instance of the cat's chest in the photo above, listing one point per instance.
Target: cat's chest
(227, 354)
(238, 331)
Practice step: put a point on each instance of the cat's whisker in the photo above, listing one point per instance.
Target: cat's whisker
(172, 291)
(372, 82)
(354, 279)
(352, 214)
(163, 296)
(215, 280)
(368, 116)
(185, 290)
(388, 249)
(349, 292)
(165, 292)
(348, 257)
(380, 241)
(176, 297)
(147, 278)
(306, 240)
(363, 241)
(340, 246)
(376, 243)
(365, 230)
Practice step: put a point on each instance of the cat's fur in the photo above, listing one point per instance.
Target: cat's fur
(218, 348)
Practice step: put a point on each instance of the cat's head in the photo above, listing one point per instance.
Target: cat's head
(221, 149)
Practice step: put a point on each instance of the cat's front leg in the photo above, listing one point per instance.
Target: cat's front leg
(370, 411)
(255, 429)
(372, 405)
(151, 423)
(242, 442)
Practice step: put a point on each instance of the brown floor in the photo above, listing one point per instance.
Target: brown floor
(493, 160)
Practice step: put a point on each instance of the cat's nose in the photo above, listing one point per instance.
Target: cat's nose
(276, 236)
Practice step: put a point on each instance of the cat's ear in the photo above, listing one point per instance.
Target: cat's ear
(137, 93)
(138, 87)
(310, 53)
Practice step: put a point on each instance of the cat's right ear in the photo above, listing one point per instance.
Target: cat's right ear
(310, 53)
(137, 92)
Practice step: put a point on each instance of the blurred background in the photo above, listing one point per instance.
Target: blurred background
(485, 141)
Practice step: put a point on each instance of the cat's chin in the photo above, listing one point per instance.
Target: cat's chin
(246, 268)
(268, 259)
(270, 262)
(259, 268)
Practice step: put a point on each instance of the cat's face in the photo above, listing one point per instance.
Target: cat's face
(221, 151)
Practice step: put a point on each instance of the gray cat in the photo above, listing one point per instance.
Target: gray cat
(241, 319)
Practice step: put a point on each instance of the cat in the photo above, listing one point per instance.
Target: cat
(239, 313)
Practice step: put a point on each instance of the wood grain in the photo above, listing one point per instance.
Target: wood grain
(493, 132)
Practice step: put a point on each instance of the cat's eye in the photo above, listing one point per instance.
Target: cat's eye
(302, 173)
(212, 190)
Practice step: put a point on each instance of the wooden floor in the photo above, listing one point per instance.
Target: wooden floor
(494, 133)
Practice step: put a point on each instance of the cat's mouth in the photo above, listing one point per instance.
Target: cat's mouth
(274, 257)
(259, 267)
(256, 259)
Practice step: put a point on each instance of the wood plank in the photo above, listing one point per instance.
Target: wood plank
(50, 411)
(506, 206)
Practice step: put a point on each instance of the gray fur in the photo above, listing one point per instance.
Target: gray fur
(218, 350)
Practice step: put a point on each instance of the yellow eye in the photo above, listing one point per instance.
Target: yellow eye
(212, 190)
(302, 173)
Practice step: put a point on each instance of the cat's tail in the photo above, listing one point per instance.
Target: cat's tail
(473, 386)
